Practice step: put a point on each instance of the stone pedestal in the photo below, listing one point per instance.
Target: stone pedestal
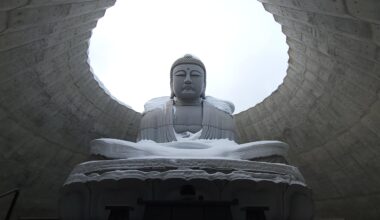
(168, 188)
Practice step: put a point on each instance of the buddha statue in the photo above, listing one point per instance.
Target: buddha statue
(189, 124)
(186, 165)
(188, 112)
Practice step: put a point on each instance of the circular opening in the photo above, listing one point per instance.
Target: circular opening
(135, 44)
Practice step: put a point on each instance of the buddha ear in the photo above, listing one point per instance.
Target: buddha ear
(203, 94)
(172, 92)
(171, 88)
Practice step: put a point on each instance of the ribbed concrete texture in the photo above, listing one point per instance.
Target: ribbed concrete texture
(50, 104)
(327, 109)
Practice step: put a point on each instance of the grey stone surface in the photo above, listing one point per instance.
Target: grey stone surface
(189, 124)
(93, 170)
(327, 109)
(94, 184)
(51, 106)
(188, 111)
(333, 86)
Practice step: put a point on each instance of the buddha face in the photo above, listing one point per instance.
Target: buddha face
(188, 82)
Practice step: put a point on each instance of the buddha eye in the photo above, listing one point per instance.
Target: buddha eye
(180, 73)
(195, 73)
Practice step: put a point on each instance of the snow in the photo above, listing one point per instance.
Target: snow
(187, 135)
(223, 105)
(185, 168)
(201, 148)
(159, 102)
(188, 145)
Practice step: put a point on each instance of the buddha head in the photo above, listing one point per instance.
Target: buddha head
(188, 79)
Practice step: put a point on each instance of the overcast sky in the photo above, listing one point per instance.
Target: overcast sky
(134, 45)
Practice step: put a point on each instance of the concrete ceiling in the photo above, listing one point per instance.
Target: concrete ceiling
(327, 109)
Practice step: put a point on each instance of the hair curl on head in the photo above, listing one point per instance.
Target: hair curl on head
(187, 59)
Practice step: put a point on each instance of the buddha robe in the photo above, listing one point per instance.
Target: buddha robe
(217, 121)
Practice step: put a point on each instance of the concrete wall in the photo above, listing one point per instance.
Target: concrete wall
(328, 108)
(50, 104)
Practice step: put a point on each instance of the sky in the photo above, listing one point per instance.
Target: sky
(136, 42)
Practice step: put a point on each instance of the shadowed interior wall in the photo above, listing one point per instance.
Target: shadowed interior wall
(327, 109)
(50, 104)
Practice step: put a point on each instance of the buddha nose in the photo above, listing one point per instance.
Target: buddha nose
(187, 78)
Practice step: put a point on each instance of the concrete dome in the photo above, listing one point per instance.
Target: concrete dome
(327, 109)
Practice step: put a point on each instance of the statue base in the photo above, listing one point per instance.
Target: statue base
(185, 188)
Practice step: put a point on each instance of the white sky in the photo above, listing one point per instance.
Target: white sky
(134, 45)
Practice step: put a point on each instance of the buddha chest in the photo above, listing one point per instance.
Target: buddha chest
(187, 118)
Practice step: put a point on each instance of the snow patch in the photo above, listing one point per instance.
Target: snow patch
(187, 135)
(223, 105)
(156, 103)
(201, 148)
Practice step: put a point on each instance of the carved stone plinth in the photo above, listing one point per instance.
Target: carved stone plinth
(173, 187)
